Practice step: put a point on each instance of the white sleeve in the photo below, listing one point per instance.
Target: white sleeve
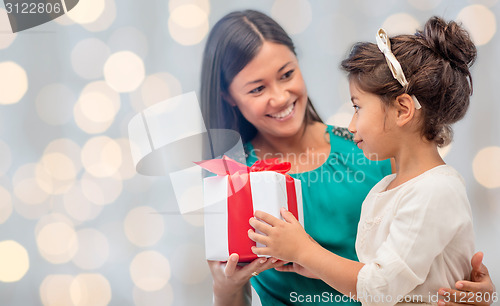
(426, 219)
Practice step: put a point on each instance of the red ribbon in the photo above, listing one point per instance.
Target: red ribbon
(239, 201)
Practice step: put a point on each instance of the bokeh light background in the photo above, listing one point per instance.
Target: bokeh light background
(78, 226)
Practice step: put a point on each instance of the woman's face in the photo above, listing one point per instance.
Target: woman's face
(270, 92)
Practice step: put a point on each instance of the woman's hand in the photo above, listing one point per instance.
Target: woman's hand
(231, 282)
(479, 291)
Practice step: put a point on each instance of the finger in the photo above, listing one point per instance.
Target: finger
(259, 238)
(288, 216)
(477, 261)
(470, 286)
(286, 268)
(232, 262)
(268, 218)
(443, 303)
(261, 251)
(259, 225)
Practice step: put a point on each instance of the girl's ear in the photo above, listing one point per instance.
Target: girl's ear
(405, 107)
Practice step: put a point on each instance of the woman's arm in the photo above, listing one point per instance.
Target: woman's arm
(479, 291)
(231, 284)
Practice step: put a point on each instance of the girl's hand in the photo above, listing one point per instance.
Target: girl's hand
(283, 239)
(479, 291)
(295, 267)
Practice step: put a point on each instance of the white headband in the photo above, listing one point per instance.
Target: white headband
(384, 45)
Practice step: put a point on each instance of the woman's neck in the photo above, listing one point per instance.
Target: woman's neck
(306, 150)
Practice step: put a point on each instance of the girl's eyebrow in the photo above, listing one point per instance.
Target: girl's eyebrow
(260, 80)
(353, 98)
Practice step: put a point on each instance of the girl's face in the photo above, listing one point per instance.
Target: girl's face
(270, 92)
(371, 124)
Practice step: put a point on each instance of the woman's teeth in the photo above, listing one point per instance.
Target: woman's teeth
(284, 112)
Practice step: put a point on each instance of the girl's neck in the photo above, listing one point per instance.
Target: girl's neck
(413, 160)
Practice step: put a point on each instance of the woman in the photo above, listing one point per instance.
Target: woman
(252, 83)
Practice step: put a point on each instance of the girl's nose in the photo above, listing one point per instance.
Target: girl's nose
(352, 125)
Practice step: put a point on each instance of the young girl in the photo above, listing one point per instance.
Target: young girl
(415, 233)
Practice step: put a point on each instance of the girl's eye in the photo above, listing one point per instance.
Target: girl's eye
(257, 90)
(356, 108)
(288, 74)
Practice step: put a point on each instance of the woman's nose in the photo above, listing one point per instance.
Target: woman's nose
(279, 96)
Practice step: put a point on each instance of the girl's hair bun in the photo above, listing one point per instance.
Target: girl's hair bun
(451, 41)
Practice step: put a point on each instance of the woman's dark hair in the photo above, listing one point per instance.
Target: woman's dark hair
(233, 42)
(436, 63)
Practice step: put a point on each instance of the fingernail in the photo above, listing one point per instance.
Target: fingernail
(263, 260)
(459, 285)
(441, 303)
(274, 260)
(441, 292)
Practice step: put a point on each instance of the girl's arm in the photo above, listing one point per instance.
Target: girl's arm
(288, 241)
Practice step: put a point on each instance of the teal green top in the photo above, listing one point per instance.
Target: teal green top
(332, 196)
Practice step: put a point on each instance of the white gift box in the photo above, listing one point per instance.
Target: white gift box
(268, 194)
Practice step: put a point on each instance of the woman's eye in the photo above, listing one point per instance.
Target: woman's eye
(288, 74)
(257, 90)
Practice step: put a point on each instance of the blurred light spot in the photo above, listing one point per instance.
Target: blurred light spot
(201, 4)
(480, 22)
(188, 24)
(54, 104)
(87, 11)
(101, 191)
(90, 289)
(127, 169)
(486, 167)
(424, 5)
(54, 290)
(401, 23)
(13, 82)
(124, 71)
(143, 226)
(14, 261)
(97, 103)
(197, 220)
(26, 186)
(46, 169)
(341, 119)
(293, 15)
(68, 148)
(59, 166)
(78, 207)
(5, 205)
(93, 249)
(444, 150)
(105, 20)
(155, 88)
(88, 58)
(57, 242)
(101, 156)
(189, 264)
(129, 39)
(162, 297)
(52, 218)
(5, 158)
(150, 271)
(7, 37)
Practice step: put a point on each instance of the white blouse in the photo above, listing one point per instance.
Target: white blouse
(414, 239)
